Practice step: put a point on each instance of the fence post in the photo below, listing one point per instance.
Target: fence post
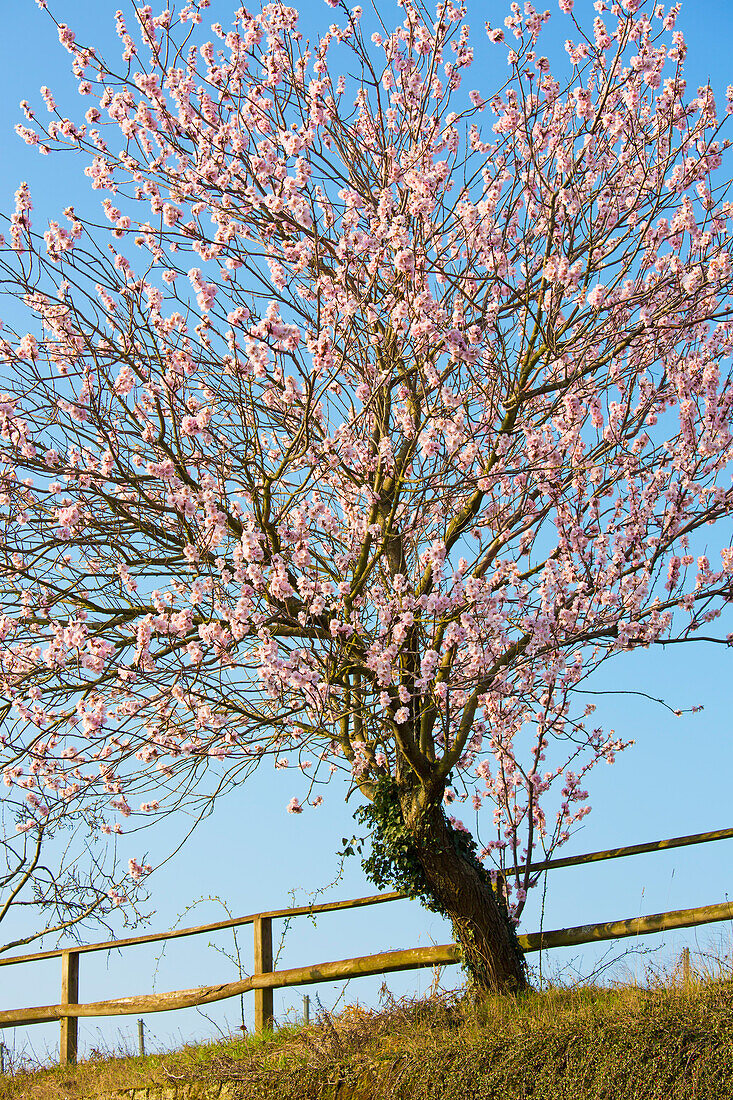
(263, 965)
(686, 965)
(69, 996)
(141, 1037)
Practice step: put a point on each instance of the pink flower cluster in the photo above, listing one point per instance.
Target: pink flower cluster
(347, 460)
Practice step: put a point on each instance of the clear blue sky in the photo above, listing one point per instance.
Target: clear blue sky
(251, 854)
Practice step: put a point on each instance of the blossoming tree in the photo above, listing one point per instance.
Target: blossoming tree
(56, 877)
(380, 412)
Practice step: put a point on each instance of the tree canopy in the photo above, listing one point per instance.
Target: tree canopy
(376, 415)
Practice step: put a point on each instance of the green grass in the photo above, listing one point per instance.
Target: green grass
(661, 1042)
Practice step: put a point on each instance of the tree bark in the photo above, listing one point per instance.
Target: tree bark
(481, 925)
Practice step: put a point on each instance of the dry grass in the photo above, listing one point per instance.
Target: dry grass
(660, 1041)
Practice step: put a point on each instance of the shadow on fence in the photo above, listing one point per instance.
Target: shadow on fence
(264, 979)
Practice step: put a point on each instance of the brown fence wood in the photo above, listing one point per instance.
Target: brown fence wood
(628, 850)
(385, 963)
(632, 926)
(686, 973)
(264, 1016)
(69, 997)
(373, 899)
(178, 933)
(264, 980)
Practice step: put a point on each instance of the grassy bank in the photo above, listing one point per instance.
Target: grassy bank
(628, 1043)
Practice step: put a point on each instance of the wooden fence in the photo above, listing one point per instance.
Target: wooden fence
(264, 979)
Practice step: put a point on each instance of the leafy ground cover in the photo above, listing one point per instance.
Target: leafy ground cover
(669, 1040)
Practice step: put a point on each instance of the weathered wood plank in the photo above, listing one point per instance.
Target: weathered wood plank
(178, 933)
(264, 1017)
(373, 899)
(385, 963)
(69, 996)
(632, 926)
(628, 850)
(43, 1015)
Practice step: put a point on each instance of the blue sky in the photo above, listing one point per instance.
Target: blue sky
(252, 855)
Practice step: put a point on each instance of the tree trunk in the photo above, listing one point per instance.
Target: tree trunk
(481, 925)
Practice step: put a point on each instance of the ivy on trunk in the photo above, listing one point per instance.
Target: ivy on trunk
(420, 853)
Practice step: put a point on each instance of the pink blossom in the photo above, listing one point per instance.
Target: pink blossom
(326, 501)
(405, 261)
(597, 297)
(125, 381)
(66, 37)
(137, 870)
(28, 347)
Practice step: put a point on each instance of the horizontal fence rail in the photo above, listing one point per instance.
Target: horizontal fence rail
(371, 899)
(217, 926)
(628, 850)
(388, 962)
(264, 979)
